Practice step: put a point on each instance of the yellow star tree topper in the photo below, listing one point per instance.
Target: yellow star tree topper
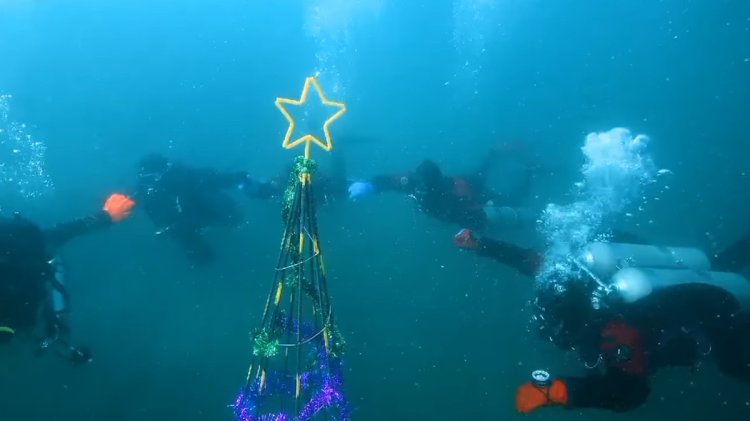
(309, 138)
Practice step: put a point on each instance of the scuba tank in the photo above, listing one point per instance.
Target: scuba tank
(633, 284)
(58, 331)
(632, 272)
(605, 259)
(59, 299)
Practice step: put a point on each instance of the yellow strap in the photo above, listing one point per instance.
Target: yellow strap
(278, 293)
(262, 384)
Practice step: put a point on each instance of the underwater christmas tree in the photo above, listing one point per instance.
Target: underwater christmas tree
(296, 368)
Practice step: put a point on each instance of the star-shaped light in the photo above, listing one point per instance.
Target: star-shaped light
(308, 137)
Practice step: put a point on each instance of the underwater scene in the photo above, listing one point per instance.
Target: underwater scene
(374, 210)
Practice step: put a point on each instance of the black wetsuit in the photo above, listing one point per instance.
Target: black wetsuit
(452, 200)
(26, 275)
(673, 327)
(459, 199)
(182, 201)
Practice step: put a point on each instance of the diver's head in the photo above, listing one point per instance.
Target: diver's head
(152, 167)
(153, 163)
(428, 176)
(564, 311)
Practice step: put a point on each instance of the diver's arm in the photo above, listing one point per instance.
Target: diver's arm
(255, 189)
(265, 189)
(60, 234)
(615, 391)
(403, 183)
(116, 208)
(524, 260)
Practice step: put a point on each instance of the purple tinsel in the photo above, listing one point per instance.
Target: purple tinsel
(288, 326)
(327, 394)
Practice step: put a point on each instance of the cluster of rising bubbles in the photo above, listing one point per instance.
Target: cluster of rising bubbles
(617, 168)
(22, 158)
(329, 23)
(472, 23)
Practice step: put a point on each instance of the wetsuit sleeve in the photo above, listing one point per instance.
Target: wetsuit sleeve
(615, 391)
(526, 261)
(60, 234)
(403, 183)
(255, 189)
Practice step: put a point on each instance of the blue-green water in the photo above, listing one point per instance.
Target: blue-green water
(432, 333)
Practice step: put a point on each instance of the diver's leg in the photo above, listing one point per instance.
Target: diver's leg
(479, 178)
(735, 257)
(220, 209)
(519, 191)
(196, 248)
(505, 155)
(732, 350)
(500, 219)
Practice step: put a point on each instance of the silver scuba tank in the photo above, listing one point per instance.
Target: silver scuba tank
(633, 284)
(58, 300)
(605, 259)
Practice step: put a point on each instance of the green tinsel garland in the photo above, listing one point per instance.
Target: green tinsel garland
(336, 342)
(301, 165)
(263, 345)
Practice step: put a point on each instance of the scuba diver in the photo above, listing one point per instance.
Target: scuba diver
(630, 309)
(183, 201)
(31, 283)
(462, 200)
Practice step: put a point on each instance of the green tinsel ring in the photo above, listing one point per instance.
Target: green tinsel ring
(291, 280)
(264, 346)
(301, 165)
(336, 341)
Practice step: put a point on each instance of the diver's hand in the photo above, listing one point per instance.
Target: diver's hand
(248, 186)
(360, 188)
(530, 397)
(466, 240)
(118, 206)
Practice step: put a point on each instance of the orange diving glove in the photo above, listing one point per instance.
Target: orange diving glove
(530, 397)
(118, 206)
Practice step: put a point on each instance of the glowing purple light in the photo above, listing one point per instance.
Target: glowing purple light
(329, 396)
(324, 383)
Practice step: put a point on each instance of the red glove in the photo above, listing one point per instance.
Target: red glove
(118, 206)
(530, 397)
(465, 240)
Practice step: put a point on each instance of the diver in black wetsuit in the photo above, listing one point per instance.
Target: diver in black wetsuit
(462, 200)
(183, 201)
(676, 325)
(28, 288)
